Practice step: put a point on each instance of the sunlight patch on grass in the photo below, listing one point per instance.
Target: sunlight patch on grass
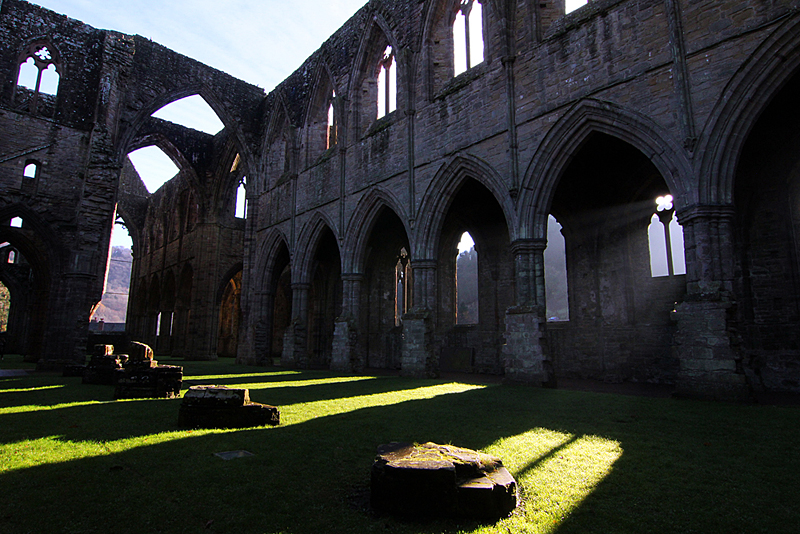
(55, 449)
(39, 407)
(299, 413)
(301, 383)
(557, 471)
(23, 390)
(239, 375)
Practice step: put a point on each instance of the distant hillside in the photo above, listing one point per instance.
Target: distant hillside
(5, 305)
(114, 306)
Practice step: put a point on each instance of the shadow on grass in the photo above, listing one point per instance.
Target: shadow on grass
(685, 466)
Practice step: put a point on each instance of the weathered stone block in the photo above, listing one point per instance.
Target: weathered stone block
(221, 407)
(436, 480)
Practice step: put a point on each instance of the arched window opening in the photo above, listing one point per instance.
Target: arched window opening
(331, 130)
(555, 273)
(666, 240)
(402, 279)
(241, 199)
(16, 222)
(28, 74)
(31, 169)
(38, 72)
(113, 308)
(158, 324)
(387, 83)
(5, 307)
(50, 79)
(12, 256)
(154, 167)
(466, 281)
(191, 112)
(468, 36)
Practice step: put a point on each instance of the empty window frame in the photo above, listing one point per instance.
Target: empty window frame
(466, 281)
(332, 133)
(241, 199)
(468, 36)
(387, 83)
(31, 169)
(665, 237)
(39, 72)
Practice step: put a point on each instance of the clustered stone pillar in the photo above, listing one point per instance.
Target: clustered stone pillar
(417, 355)
(347, 357)
(295, 339)
(524, 351)
(709, 365)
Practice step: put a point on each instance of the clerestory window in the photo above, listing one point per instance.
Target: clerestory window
(332, 129)
(468, 36)
(387, 83)
(241, 199)
(39, 72)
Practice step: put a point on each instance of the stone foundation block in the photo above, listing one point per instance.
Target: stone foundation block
(221, 407)
(159, 382)
(441, 480)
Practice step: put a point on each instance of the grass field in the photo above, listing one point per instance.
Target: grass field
(74, 460)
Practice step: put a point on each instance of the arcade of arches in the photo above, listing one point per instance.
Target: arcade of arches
(357, 178)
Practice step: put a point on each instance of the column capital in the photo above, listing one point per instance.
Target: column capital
(424, 264)
(352, 277)
(528, 246)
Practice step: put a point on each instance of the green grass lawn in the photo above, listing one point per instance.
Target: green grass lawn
(74, 460)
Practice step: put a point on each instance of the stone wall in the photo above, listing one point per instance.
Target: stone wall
(586, 116)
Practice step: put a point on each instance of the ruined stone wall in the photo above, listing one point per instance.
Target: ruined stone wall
(588, 116)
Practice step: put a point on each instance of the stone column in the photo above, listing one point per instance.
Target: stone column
(709, 365)
(418, 358)
(525, 351)
(295, 339)
(347, 357)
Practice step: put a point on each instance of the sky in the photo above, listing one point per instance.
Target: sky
(259, 41)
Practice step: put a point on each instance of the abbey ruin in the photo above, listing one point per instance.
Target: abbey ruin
(358, 192)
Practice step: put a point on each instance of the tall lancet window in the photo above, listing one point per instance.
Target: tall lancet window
(387, 83)
(468, 36)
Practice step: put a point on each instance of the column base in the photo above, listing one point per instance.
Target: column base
(709, 367)
(417, 358)
(345, 357)
(525, 356)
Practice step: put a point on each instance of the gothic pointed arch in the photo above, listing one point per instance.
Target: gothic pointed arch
(323, 114)
(266, 259)
(377, 39)
(307, 244)
(362, 222)
(746, 96)
(448, 180)
(564, 140)
(278, 145)
(225, 115)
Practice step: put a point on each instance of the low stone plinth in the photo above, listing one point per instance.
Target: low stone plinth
(223, 407)
(441, 480)
(146, 382)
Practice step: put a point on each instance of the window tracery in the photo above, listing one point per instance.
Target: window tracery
(39, 72)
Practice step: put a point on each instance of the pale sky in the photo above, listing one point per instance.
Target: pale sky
(259, 41)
